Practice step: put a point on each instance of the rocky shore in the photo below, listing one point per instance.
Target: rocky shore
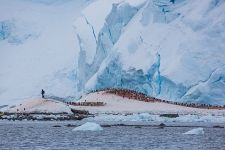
(76, 115)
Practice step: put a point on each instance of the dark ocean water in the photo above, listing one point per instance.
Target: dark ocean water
(43, 136)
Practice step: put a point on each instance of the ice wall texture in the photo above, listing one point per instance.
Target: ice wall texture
(173, 50)
(9, 32)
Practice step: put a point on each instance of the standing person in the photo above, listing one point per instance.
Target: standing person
(43, 93)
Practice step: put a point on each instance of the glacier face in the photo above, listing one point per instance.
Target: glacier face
(173, 50)
(96, 44)
(170, 49)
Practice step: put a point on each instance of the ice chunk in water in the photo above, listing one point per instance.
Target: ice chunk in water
(197, 131)
(89, 126)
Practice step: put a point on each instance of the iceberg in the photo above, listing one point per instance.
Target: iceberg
(89, 126)
(197, 131)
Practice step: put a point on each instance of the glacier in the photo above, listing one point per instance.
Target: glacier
(38, 48)
(172, 50)
(169, 49)
(9, 32)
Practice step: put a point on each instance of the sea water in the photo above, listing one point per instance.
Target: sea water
(41, 135)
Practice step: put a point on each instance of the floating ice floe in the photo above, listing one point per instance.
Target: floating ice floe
(89, 126)
(197, 131)
(145, 117)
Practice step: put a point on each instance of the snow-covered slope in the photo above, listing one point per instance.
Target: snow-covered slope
(117, 104)
(38, 47)
(39, 106)
(173, 50)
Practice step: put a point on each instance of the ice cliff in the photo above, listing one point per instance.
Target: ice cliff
(171, 49)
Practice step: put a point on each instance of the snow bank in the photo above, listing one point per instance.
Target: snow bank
(89, 126)
(39, 106)
(197, 131)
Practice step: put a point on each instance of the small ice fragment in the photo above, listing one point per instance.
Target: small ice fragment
(89, 126)
(197, 131)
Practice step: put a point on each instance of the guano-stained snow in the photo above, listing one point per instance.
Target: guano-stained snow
(117, 104)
